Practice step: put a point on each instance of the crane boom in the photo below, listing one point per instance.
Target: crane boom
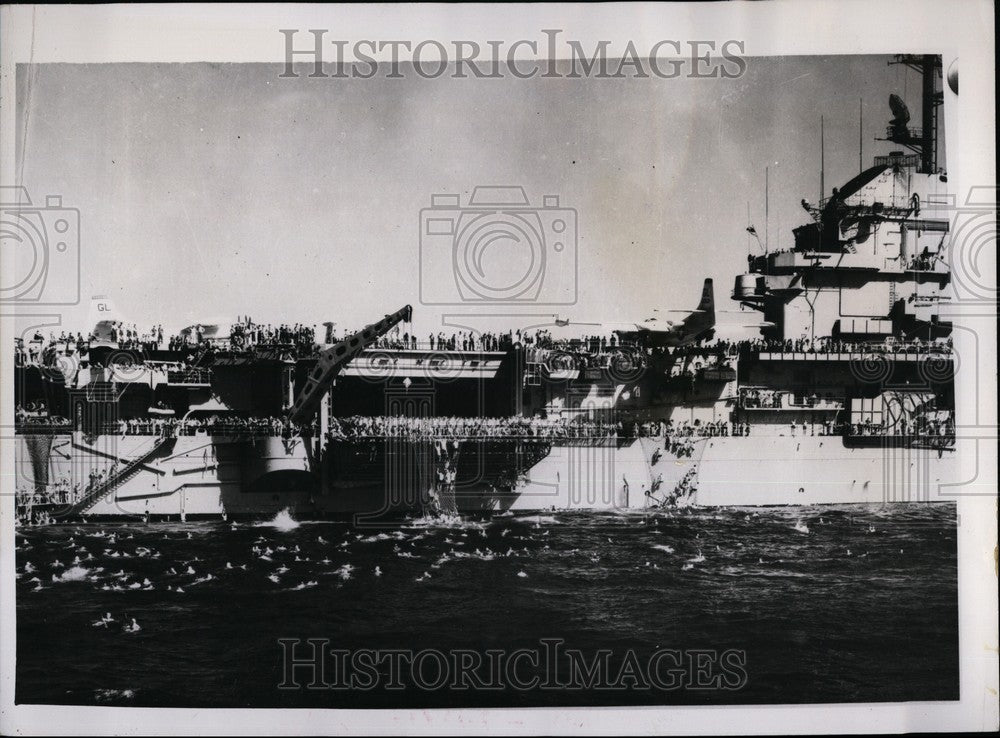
(335, 358)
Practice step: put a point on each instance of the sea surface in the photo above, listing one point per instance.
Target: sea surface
(804, 604)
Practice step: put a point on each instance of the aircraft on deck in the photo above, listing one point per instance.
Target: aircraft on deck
(656, 332)
(695, 325)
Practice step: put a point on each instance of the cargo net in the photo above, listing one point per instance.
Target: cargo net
(440, 498)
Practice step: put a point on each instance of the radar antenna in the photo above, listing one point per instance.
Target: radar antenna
(920, 140)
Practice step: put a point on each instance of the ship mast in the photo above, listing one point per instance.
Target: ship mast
(822, 162)
(861, 133)
(923, 140)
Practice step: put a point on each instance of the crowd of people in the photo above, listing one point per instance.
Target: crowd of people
(123, 335)
(240, 426)
(39, 350)
(679, 436)
(34, 506)
(454, 427)
(212, 425)
(300, 339)
(940, 426)
(828, 345)
(685, 487)
(606, 352)
(753, 397)
(496, 341)
(245, 333)
(616, 360)
(594, 346)
(36, 417)
(416, 428)
(460, 340)
(127, 336)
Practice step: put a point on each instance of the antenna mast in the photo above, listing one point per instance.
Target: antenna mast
(822, 161)
(767, 211)
(861, 141)
(749, 226)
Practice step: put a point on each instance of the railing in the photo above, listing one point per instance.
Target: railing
(939, 437)
(41, 424)
(927, 264)
(913, 134)
(92, 495)
(904, 160)
(172, 428)
(765, 399)
(844, 348)
(469, 434)
(190, 376)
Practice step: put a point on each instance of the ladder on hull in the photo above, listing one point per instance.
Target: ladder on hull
(122, 475)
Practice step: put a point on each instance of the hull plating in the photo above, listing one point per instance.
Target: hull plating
(214, 476)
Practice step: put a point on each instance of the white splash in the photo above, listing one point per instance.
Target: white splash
(539, 520)
(73, 574)
(283, 522)
(104, 695)
(443, 520)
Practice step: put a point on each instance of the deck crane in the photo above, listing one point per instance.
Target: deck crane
(333, 359)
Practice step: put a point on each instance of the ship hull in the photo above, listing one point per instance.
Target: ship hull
(192, 477)
(216, 476)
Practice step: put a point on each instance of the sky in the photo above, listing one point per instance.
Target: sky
(211, 190)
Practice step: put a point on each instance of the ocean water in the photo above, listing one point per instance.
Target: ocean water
(821, 604)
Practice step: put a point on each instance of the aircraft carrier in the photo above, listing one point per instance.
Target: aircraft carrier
(845, 396)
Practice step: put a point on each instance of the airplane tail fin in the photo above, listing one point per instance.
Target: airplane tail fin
(102, 314)
(707, 304)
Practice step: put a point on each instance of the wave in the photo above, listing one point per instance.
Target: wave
(540, 519)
